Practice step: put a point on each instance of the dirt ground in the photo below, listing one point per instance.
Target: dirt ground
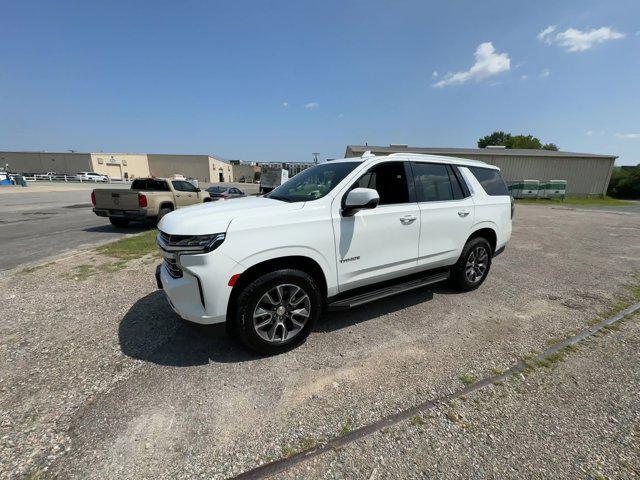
(100, 379)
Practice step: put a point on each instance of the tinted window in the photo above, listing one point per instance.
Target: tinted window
(490, 180)
(183, 186)
(435, 183)
(216, 189)
(150, 184)
(389, 180)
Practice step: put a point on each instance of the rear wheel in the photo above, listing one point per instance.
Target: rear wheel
(473, 266)
(276, 311)
(163, 211)
(119, 222)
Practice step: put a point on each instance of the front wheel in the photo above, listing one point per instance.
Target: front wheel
(276, 311)
(473, 266)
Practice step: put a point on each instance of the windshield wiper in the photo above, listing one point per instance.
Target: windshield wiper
(279, 197)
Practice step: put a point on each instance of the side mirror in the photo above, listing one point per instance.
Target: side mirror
(360, 199)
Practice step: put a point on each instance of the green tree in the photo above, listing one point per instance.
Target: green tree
(496, 138)
(514, 141)
(625, 183)
(525, 141)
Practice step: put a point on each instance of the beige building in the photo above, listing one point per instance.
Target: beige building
(586, 174)
(205, 168)
(246, 171)
(118, 166)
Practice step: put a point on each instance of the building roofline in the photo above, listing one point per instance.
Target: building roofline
(356, 149)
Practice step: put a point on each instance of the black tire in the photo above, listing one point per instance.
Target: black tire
(119, 222)
(460, 276)
(163, 211)
(242, 319)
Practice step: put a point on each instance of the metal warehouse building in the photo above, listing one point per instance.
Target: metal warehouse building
(586, 174)
(120, 165)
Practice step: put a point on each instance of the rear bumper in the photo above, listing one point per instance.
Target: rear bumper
(128, 214)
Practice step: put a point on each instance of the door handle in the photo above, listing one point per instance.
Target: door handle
(463, 213)
(408, 219)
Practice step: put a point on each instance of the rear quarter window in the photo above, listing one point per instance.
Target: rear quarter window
(491, 180)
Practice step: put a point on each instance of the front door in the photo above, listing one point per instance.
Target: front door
(186, 193)
(380, 243)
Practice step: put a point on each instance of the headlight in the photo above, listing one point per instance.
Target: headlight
(190, 243)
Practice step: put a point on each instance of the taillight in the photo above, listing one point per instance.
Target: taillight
(93, 198)
(142, 200)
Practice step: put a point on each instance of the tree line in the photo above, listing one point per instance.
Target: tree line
(500, 138)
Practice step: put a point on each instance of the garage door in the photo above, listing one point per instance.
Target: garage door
(114, 171)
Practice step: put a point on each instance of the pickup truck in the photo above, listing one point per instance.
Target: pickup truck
(337, 235)
(148, 200)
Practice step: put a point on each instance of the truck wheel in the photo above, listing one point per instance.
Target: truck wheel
(119, 222)
(163, 211)
(473, 265)
(276, 311)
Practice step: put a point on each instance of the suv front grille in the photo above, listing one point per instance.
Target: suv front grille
(172, 267)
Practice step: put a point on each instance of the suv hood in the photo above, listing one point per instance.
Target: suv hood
(215, 217)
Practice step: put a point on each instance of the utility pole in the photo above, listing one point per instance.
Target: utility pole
(315, 157)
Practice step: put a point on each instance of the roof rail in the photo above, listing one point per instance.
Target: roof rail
(367, 154)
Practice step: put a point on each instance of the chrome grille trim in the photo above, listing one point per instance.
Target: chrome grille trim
(172, 267)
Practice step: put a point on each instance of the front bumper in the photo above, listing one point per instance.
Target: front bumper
(201, 294)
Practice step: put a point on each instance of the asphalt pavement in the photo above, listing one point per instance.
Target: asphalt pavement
(36, 224)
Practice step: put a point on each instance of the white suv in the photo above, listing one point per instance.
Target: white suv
(337, 235)
(91, 177)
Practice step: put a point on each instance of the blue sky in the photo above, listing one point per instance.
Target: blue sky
(270, 81)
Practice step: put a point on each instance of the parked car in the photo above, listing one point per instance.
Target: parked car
(220, 192)
(337, 235)
(148, 200)
(91, 177)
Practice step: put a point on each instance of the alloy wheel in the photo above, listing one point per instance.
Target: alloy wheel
(477, 264)
(281, 313)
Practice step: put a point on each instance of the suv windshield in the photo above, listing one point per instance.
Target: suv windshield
(313, 183)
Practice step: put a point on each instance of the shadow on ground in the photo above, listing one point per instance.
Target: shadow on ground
(151, 331)
(108, 228)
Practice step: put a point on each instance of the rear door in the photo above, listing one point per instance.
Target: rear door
(185, 192)
(446, 213)
(381, 243)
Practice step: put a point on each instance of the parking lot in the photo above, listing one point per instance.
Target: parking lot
(48, 219)
(100, 379)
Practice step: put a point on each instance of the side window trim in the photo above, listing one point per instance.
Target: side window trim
(461, 181)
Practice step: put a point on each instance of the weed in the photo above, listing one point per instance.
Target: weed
(288, 451)
(308, 443)
(417, 420)
(468, 379)
(346, 428)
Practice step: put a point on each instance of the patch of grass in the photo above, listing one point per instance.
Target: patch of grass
(82, 272)
(603, 201)
(35, 268)
(308, 443)
(454, 417)
(467, 379)
(497, 371)
(417, 421)
(288, 451)
(131, 247)
(346, 428)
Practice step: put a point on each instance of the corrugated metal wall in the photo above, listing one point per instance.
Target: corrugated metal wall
(584, 175)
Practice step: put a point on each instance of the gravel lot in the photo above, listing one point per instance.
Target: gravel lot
(99, 378)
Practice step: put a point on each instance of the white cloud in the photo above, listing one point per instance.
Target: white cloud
(285, 104)
(488, 63)
(341, 115)
(574, 40)
(311, 105)
(545, 73)
(628, 136)
(589, 132)
(434, 74)
(545, 35)
(524, 77)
